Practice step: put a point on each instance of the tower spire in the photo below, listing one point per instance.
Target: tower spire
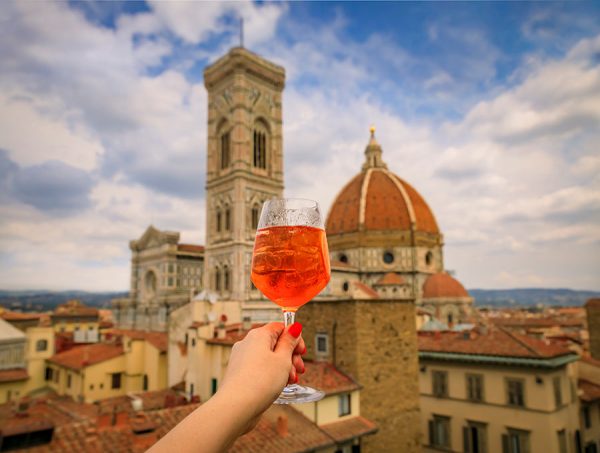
(373, 153)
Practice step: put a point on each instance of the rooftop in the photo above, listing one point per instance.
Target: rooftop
(324, 376)
(191, 248)
(588, 391)
(9, 333)
(13, 375)
(443, 285)
(160, 340)
(496, 343)
(391, 278)
(350, 428)
(83, 356)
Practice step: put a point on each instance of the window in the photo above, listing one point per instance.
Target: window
(516, 441)
(260, 148)
(439, 380)
(562, 441)
(41, 345)
(322, 343)
(590, 448)
(218, 221)
(344, 404)
(115, 381)
(439, 431)
(48, 374)
(475, 387)
(225, 150)
(214, 385)
(226, 277)
(145, 383)
(343, 258)
(255, 215)
(345, 286)
(91, 386)
(475, 437)
(193, 342)
(227, 219)
(557, 391)
(585, 412)
(429, 258)
(218, 279)
(515, 393)
(388, 257)
(68, 381)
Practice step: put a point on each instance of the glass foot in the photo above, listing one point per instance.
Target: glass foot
(295, 393)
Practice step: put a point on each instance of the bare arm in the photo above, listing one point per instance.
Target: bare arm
(259, 367)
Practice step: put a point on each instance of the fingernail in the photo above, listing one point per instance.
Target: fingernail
(303, 370)
(303, 351)
(295, 329)
(295, 379)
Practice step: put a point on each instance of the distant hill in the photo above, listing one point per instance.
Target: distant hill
(48, 300)
(530, 297)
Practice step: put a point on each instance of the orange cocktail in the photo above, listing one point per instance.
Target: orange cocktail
(290, 264)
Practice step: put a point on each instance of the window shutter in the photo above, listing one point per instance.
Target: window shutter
(482, 440)
(431, 433)
(466, 440)
(505, 444)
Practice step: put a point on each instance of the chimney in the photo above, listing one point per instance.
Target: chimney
(282, 425)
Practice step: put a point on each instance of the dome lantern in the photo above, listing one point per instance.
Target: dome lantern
(373, 153)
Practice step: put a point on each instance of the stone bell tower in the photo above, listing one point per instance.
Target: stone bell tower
(244, 169)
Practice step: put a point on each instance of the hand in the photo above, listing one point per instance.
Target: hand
(262, 363)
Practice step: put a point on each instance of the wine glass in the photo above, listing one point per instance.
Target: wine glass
(290, 266)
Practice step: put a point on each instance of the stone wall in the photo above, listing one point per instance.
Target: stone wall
(375, 343)
(593, 318)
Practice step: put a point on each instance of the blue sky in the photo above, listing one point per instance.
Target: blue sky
(491, 110)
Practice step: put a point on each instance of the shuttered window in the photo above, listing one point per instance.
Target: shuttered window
(439, 431)
(439, 380)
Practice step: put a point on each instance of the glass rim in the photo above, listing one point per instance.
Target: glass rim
(313, 203)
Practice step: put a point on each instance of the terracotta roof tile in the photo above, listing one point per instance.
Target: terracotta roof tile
(13, 374)
(75, 308)
(423, 214)
(233, 334)
(498, 342)
(324, 376)
(588, 391)
(350, 428)
(82, 356)
(366, 289)
(16, 316)
(190, 248)
(391, 278)
(385, 207)
(343, 216)
(302, 434)
(443, 285)
(160, 340)
(595, 303)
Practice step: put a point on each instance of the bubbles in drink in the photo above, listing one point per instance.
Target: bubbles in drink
(290, 264)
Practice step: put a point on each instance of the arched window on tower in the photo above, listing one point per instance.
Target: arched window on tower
(217, 279)
(255, 216)
(225, 146)
(227, 218)
(260, 141)
(218, 220)
(226, 278)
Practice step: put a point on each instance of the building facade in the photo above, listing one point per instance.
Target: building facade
(497, 392)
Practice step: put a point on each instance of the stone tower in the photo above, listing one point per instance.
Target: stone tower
(373, 341)
(244, 168)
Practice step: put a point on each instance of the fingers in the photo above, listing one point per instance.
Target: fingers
(289, 340)
(298, 363)
(300, 347)
(269, 333)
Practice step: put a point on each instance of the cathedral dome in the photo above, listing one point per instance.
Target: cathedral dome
(443, 285)
(378, 200)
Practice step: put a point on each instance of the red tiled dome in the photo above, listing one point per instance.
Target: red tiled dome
(377, 199)
(443, 285)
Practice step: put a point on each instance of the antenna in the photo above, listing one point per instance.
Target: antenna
(241, 32)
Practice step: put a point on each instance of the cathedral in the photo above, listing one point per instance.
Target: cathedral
(385, 245)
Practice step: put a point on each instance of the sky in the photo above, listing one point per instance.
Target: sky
(490, 110)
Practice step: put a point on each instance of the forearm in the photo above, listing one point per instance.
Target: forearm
(213, 427)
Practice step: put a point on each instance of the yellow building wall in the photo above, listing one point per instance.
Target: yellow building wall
(327, 410)
(155, 367)
(69, 327)
(9, 391)
(540, 415)
(36, 360)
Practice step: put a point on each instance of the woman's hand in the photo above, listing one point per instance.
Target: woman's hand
(262, 363)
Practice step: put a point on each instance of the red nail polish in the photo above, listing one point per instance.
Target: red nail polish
(303, 351)
(295, 329)
(295, 379)
(303, 370)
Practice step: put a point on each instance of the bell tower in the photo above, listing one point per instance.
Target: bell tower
(244, 168)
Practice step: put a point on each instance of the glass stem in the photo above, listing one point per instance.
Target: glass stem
(289, 318)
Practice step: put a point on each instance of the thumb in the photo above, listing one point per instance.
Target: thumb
(289, 339)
